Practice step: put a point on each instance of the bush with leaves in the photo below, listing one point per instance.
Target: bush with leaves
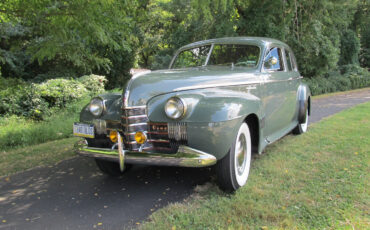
(23, 100)
(93, 83)
(345, 78)
(59, 92)
(37, 101)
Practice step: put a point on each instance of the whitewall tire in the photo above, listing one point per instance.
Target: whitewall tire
(302, 128)
(233, 170)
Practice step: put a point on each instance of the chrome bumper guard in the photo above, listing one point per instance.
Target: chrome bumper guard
(185, 156)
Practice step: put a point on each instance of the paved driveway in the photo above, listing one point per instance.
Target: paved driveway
(75, 195)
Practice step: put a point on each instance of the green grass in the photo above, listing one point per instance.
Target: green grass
(19, 132)
(319, 180)
(45, 154)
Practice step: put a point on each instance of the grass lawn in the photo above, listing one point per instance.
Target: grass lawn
(319, 180)
(18, 132)
(45, 154)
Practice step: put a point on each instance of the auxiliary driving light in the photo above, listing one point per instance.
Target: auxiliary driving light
(140, 137)
(113, 136)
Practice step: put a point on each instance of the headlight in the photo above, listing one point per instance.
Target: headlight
(96, 106)
(175, 108)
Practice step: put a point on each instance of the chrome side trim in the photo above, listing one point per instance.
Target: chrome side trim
(185, 156)
(231, 84)
(215, 85)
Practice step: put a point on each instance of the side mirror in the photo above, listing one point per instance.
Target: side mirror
(272, 61)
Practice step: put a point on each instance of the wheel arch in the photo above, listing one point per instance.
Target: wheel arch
(254, 127)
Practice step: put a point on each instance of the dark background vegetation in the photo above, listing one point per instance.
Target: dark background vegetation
(45, 40)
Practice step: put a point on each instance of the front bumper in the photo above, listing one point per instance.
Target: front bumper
(185, 156)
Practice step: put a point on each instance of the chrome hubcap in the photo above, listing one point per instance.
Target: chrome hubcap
(241, 156)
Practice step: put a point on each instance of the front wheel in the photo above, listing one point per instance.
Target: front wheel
(233, 170)
(111, 168)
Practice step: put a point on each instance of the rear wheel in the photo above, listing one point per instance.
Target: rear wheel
(233, 170)
(301, 128)
(111, 168)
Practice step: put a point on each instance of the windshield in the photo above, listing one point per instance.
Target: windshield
(235, 55)
(192, 57)
(222, 55)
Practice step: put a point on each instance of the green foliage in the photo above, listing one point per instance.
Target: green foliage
(346, 78)
(314, 29)
(350, 48)
(361, 24)
(23, 100)
(93, 83)
(16, 131)
(47, 39)
(58, 92)
(81, 36)
(38, 101)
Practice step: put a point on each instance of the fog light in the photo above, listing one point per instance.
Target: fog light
(140, 137)
(113, 136)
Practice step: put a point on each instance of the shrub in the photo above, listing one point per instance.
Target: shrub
(346, 78)
(93, 83)
(23, 100)
(59, 92)
(38, 101)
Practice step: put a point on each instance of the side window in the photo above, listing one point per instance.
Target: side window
(274, 60)
(288, 60)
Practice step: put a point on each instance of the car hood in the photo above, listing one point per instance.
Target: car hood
(142, 88)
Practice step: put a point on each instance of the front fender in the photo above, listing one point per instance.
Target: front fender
(208, 105)
(213, 116)
(113, 105)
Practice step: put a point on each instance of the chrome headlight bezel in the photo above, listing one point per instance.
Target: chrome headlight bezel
(175, 108)
(97, 106)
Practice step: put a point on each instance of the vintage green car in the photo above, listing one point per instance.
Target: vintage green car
(220, 101)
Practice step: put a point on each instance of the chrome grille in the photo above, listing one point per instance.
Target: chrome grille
(163, 137)
(177, 131)
(133, 120)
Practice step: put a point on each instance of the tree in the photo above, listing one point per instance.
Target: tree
(81, 35)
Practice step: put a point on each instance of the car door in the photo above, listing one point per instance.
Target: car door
(293, 84)
(277, 101)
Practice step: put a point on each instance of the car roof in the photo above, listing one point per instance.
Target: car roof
(259, 41)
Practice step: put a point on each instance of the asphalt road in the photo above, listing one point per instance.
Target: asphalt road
(75, 195)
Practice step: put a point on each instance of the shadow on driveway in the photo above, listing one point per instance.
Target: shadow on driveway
(75, 195)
